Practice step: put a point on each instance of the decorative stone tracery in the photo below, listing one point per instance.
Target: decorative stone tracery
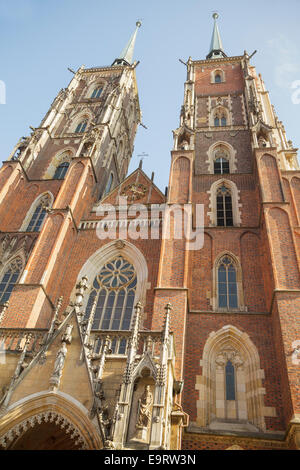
(46, 416)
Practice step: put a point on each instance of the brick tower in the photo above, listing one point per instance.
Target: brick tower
(236, 300)
(118, 333)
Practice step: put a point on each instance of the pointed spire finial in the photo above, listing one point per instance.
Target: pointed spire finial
(216, 48)
(126, 55)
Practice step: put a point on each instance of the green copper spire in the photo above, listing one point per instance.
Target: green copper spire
(216, 47)
(127, 53)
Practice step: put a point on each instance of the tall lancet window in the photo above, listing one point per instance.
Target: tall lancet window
(114, 290)
(61, 171)
(9, 279)
(224, 207)
(230, 381)
(227, 284)
(39, 214)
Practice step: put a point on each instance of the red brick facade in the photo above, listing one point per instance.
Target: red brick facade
(263, 241)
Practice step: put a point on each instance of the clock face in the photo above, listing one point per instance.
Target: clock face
(134, 192)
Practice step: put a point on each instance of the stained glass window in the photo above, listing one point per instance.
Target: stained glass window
(114, 290)
(9, 279)
(218, 78)
(227, 285)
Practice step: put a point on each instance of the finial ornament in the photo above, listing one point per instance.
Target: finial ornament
(215, 16)
(138, 23)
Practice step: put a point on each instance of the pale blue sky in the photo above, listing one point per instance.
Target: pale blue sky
(39, 39)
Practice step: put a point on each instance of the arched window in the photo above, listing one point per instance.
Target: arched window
(220, 117)
(113, 291)
(81, 127)
(230, 381)
(227, 284)
(109, 183)
(9, 279)
(224, 207)
(218, 78)
(97, 92)
(221, 166)
(37, 219)
(39, 214)
(61, 171)
(231, 389)
(223, 121)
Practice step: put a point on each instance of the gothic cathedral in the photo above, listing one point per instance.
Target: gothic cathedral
(136, 319)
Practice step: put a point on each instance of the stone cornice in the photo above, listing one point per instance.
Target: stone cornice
(105, 69)
(216, 61)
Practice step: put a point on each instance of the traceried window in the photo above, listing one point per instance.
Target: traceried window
(224, 207)
(81, 127)
(227, 284)
(113, 291)
(61, 171)
(220, 117)
(221, 166)
(97, 92)
(9, 279)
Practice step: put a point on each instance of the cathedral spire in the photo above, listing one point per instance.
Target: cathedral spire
(127, 53)
(216, 47)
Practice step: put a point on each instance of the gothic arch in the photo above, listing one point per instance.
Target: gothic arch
(247, 411)
(271, 188)
(93, 85)
(239, 280)
(180, 171)
(228, 149)
(217, 72)
(235, 201)
(47, 198)
(111, 250)
(84, 114)
(60, 157)
(45, 407)
(220, 111)
(13, 265)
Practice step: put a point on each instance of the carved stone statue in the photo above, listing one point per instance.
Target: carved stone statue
(144, 408)
(59, 361)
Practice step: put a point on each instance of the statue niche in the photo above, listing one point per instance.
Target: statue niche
(144, 409)
(141, 411)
